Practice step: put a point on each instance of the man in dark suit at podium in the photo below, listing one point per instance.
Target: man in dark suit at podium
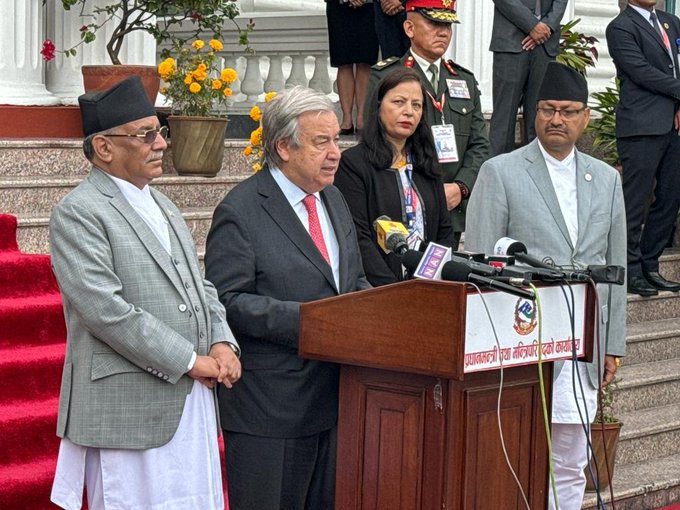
(567, 206)
(283, 237)
(644, 45)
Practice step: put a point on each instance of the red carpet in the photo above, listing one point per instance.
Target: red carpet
(32, 342)
(32, 336)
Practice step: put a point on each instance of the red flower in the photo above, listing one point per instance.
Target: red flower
(47, 50)
(196, 16)
(83, 28)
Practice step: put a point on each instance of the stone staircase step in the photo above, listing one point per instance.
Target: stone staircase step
(33, 233)
(649, 433)
(652, 341)
(653, 384)
(655, 308)
(30, 195)
(64, 158)
(669, 264)
(646, 485)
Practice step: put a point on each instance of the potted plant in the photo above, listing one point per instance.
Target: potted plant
(604, 433)
(197, 89)
(577, 50)
(155, 17)
(603, 127)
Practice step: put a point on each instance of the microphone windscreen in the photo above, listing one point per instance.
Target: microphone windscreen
(411, 259)
(455, 272)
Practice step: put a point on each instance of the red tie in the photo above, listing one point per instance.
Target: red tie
(314, 226)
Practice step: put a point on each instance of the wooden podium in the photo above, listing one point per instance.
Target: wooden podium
(414, 430)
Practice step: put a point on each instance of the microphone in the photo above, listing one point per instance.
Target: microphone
(392, 235)
(509, 246)
(459, 272)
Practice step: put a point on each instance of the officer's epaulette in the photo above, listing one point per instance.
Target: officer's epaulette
(385, 63)
(451, 65)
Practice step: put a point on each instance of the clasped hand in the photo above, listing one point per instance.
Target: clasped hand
(220, 365)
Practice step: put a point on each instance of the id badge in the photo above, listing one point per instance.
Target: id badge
(458, 88)
(414, 241)
(445, 143)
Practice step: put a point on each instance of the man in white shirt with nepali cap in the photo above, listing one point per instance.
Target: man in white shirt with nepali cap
(147, 338)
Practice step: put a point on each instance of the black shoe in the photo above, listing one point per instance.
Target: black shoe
(639, 285)
(659, 282)
(347, 131)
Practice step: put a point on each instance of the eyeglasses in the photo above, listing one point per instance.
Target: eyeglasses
(548, 113)
(148, 137)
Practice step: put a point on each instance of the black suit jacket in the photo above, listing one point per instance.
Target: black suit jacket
(649, 93)
(373, 192)
(264, 264)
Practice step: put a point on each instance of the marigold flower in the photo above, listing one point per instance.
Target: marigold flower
(189, 78)
(166, 68)
(228, 74)
(197, 44)
(163, 90)
(215, 44)
(216, 84)
(256, 136)
(248, 150)
(227, 92)
(269, 96)
(255, 113)
(194, 88)
(47, 50)
(257, 167)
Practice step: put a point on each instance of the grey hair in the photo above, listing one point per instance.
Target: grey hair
(280, 118)
(88, 149)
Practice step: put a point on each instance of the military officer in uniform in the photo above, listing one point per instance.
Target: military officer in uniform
(452, 106)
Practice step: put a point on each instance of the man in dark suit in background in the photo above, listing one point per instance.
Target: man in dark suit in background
(452, 108)
(525, 37)
(644, 45)
(282, 237)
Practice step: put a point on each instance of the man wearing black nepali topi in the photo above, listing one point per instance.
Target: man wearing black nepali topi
(147, 338)
(567, 206)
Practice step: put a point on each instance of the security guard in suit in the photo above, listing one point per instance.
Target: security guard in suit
(452, 108)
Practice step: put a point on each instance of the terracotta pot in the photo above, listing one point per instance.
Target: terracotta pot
(98, 77)
(197, 144)
(605, 439)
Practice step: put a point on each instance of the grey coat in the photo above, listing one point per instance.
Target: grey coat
(514, 19)
(131, 323)
(514, 197)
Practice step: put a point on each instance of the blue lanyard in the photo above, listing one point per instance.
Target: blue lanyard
(409, 194)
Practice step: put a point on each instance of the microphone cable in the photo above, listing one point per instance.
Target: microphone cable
(541, 385)
(500, 395)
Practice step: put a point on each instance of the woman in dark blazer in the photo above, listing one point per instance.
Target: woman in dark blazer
(394, 172)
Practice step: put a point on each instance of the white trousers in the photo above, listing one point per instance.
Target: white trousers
(569, 457)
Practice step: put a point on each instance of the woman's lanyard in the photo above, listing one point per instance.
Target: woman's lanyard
(410, 197)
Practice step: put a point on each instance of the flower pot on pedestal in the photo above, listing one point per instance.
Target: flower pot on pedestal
(197, 144)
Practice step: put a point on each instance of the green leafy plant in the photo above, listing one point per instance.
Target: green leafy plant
(156, 17)
(605, 403)
(603, 126)
(577, 50)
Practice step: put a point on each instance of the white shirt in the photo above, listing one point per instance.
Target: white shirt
(295, 195)
(563, 177)
(567, 393)
(144, 204)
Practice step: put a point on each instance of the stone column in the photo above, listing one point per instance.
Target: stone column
(470, 44)
(63, 73)
(21, 65)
